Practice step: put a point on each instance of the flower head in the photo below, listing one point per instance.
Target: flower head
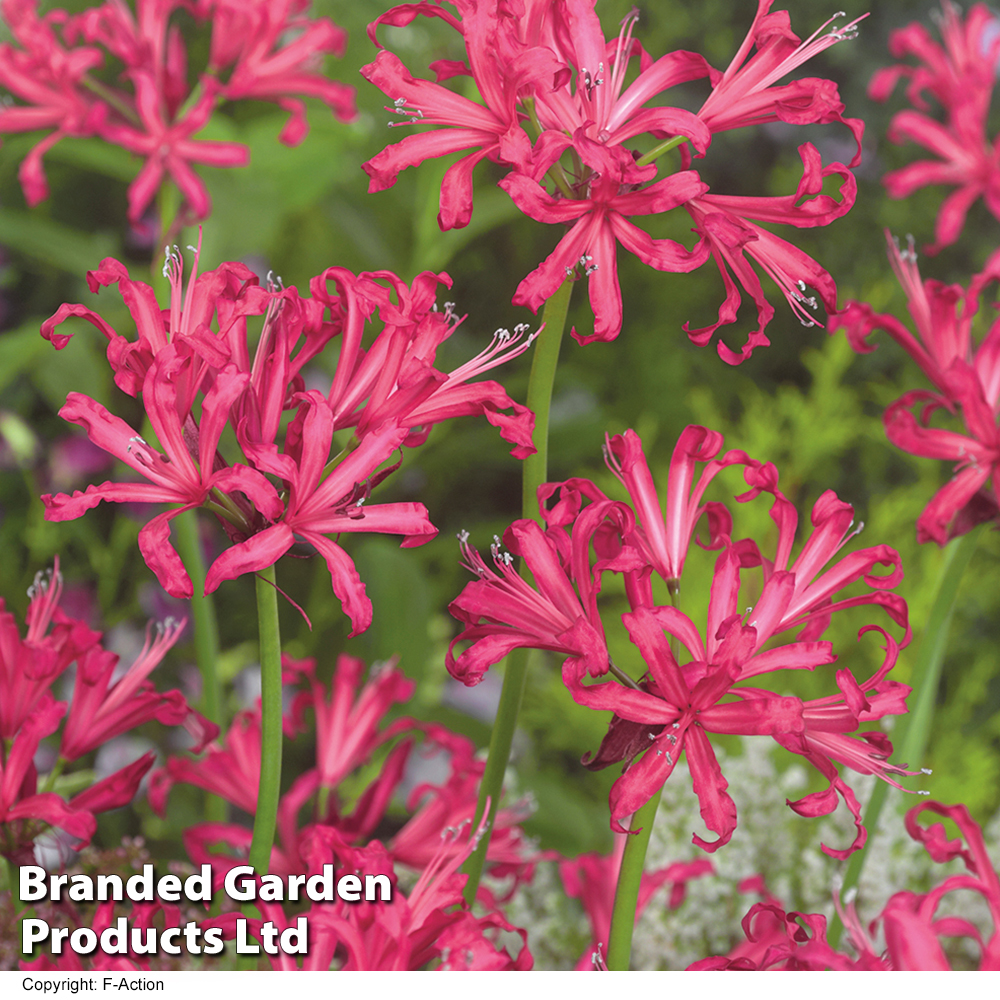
(960, 75)
(263, 50)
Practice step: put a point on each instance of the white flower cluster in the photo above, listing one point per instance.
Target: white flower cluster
(770, 841)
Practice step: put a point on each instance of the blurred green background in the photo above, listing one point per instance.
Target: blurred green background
(807, 403)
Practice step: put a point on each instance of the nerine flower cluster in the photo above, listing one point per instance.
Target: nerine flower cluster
(102, 703)
(425, 921)
(699, 681)
(582, 138)
(121, 75)
(581, 148)
(961, 362)
(300, 481)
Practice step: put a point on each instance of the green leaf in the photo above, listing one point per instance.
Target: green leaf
(21, 350)
(52, 243)
(96, 155)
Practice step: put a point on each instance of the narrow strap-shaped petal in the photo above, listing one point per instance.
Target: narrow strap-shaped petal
(717, 808)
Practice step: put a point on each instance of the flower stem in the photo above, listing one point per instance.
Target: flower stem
(206, 637)
(629, 881)
(657, 151)
(913, 729)
(534, 472)
(269, 789)
(543, 375)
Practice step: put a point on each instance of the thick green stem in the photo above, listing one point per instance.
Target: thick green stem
(629, 882)
(269, 789)
(913, 729)
(206, 636)
(534, 473)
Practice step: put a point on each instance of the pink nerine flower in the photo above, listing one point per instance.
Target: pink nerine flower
(169, 148)
(198, 371)
(960, 76)
(47, 77)
(966, 377)
(501, 611)
(264, 50)
(600, 222)
(429, 922)
(24, 813)
(725, 225)
(101, 710)
(273, 52)
(745, 93)
(175, 476)
(696, 680)
(318, 507)
(548, 67)
(29, 666)
(394, 377)
(231, 771)
(680, 704)
(500, 63)
(347, 724)
(910, 921)
(663, 538)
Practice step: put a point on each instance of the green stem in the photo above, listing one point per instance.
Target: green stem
(657, 151)
(168, 201)
(556, 174)
(53, 775)
(629, 882)
(269, 790)
(491, 786)
(206, 637)
(543, 375)
(112, 97)
(912, 730)
(534, 473)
